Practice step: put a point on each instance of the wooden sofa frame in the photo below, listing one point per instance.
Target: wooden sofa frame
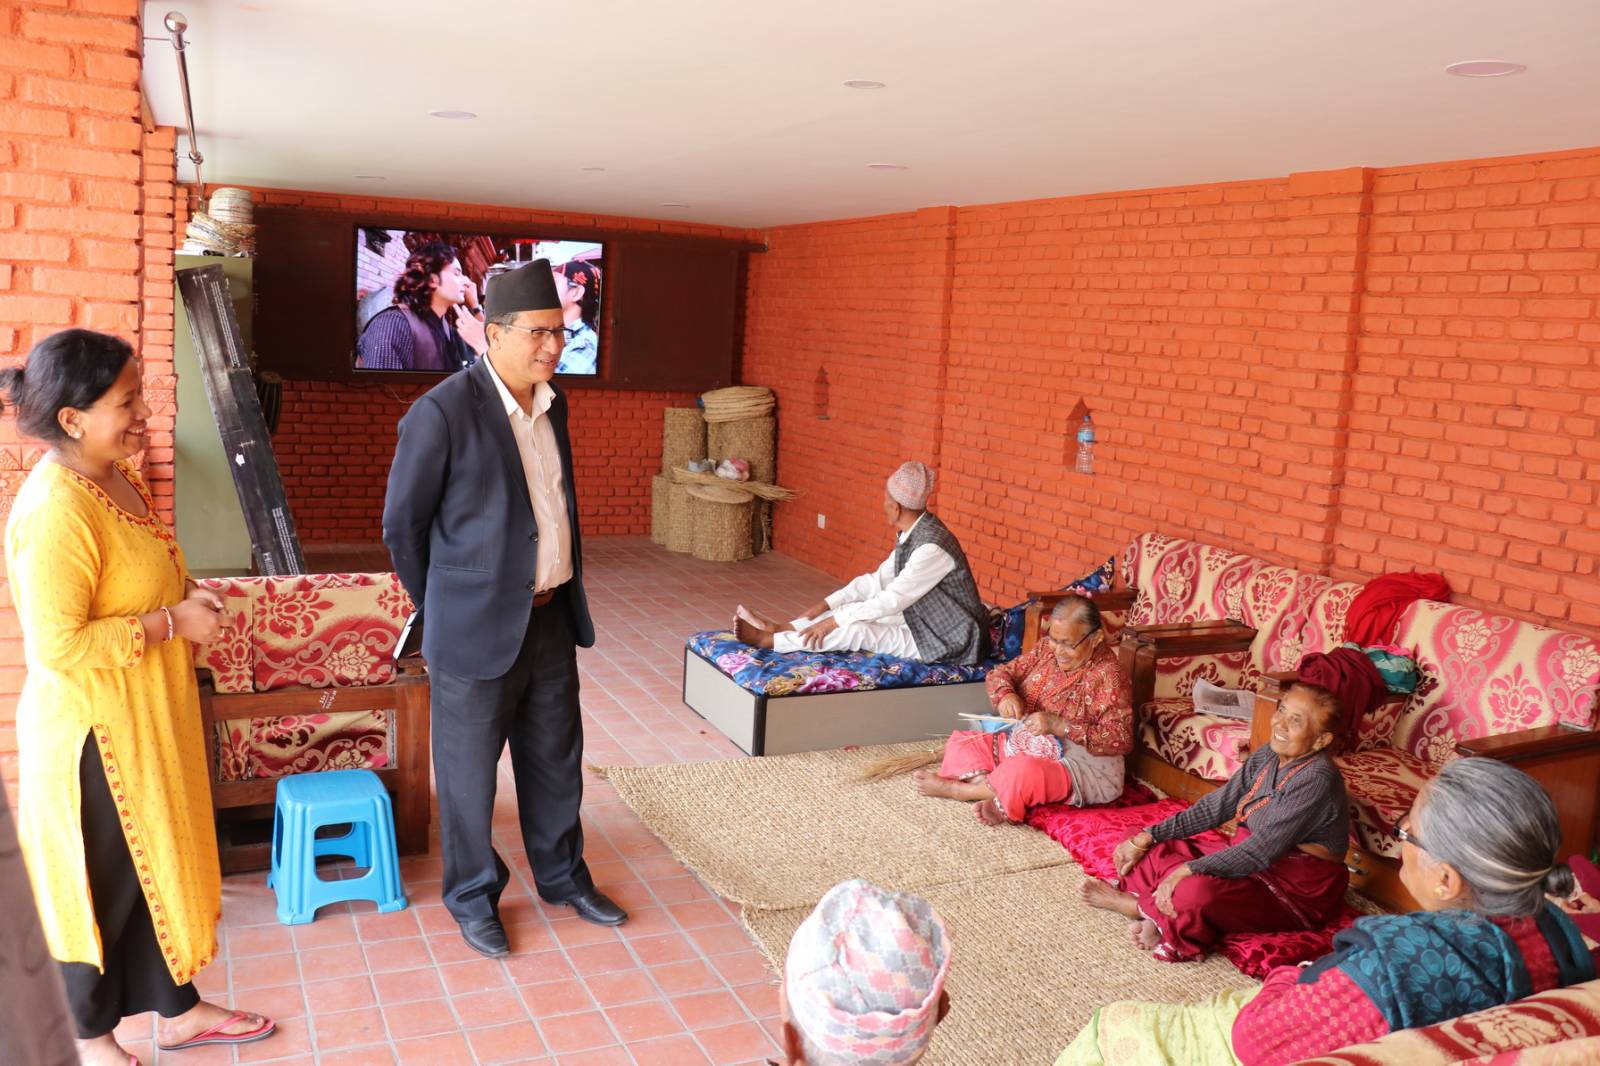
(406, 700)
(1565, 760)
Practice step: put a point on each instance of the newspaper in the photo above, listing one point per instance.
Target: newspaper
(1223, 702)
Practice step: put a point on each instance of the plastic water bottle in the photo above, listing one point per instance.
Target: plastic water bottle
(1085, 463)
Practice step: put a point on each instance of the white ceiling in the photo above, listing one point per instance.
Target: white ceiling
(736, 107)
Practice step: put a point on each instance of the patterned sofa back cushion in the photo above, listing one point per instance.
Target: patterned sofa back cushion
(308, 629)
(1486, 674)
(1183, 581)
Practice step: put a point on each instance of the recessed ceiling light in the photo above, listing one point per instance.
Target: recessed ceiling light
(673, 203)
(594, 170)
(453, 114)
(887, 166)
(1485, 68)
(371, 177)
(864, 85)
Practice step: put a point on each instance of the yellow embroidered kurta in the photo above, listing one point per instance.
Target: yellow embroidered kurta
(82, 570)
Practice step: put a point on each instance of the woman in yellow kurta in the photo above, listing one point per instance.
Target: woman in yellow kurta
(114, 809)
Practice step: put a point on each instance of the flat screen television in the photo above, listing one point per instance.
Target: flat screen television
(412, 285)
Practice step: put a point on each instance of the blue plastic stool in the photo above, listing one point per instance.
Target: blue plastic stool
(306, 803)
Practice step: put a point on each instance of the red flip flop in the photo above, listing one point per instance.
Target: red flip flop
(215, 1035)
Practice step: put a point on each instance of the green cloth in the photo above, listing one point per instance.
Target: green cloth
(1133, 1033)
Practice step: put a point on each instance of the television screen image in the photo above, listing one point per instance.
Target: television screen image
(415, 289)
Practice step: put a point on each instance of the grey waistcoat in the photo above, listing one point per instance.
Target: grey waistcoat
(948, 622)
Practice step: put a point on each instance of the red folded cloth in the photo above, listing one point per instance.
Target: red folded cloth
(1377, 607)
(1350, 675)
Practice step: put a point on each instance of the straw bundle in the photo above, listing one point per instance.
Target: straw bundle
(721, 523)
(660, 507)
(208, 234)
(231, 206)
(761, 526)
(762, 489)
(737, 402)
(752, 439)
(680, 520)
(683, 437)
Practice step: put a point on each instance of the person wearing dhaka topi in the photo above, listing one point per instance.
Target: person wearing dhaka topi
(921, 604)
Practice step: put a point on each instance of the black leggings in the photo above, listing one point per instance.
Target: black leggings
(136, 978)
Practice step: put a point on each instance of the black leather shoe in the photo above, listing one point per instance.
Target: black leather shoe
(486, 936)
(593, 906)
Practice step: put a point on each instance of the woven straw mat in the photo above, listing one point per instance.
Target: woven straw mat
(780, 831)
(1029, 963)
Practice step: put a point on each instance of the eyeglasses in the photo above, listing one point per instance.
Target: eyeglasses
(1406, 836)
(561, 334)
(1074, 645)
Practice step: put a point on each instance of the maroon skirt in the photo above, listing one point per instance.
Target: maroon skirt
(1299, 891)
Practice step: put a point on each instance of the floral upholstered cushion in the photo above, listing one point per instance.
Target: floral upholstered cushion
(770, 673)
(311, 629)
(1206, 745)
(1183, 581)
(1560, 1027)
(328, 629)
(1382, 785)
(250, 748)
(1484, 675)
(232, 659)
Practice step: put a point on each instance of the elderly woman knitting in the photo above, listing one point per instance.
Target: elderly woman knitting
(1075, 724)
(863, 982)
(1478, 853)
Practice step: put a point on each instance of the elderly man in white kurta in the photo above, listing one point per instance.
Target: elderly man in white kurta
(922, 603)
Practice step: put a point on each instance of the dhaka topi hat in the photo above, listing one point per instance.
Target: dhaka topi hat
(911, 485)
(526, 288)
(865, 974)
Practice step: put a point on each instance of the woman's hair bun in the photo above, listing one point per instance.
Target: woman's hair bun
(1560, 882)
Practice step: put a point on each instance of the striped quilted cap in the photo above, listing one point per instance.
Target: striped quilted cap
(865, 972)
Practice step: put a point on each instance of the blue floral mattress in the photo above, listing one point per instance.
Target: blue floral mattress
(802, 673)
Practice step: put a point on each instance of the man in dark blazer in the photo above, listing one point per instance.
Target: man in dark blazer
(481, 519)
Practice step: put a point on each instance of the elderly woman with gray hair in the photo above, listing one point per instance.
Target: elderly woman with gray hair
(1478, 853)
(1073, 714)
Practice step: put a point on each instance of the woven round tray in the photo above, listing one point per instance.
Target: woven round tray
(660, 507)
(721, 523)
(736, 402)
(752, 439)
(683, 437)
(680, 520)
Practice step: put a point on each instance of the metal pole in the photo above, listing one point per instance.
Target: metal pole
(176, 24)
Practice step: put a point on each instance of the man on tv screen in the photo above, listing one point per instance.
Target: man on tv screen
(433, 323)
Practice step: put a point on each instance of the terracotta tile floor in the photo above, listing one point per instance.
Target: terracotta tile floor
(681, 983)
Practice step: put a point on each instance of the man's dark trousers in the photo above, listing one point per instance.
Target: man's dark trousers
(534, 708)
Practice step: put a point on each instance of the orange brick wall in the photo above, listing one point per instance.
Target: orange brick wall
(1352, 372)
(846, 320)
(335, 441)
(76, 202)
(1472, 432)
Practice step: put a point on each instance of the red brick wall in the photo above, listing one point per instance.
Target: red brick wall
(76, 200)
(1472, 433)
(846, 321)
(335, 441)
(1352, 372)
